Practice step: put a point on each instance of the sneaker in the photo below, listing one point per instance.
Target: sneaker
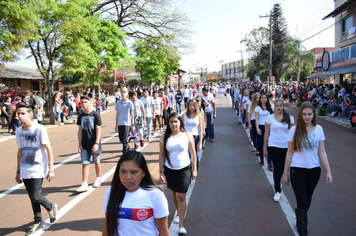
(97, 182)
(211, 140)
(83, 188)
(136, 146)
(141, 143)
(35, 227)
(182, 230)
(176, 219)
(53, 213)
(257, 153)
(262, 162)
(270, 167)
(277, 197)
(161, 130)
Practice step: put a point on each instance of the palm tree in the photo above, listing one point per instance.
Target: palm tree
(297, 55)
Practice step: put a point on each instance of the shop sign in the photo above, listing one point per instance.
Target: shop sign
(343, 57)
(325, 61)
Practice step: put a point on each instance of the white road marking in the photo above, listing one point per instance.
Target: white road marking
(286, 207)
(66, 208)
(3, 194)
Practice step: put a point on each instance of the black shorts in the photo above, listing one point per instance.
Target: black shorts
(178, 180)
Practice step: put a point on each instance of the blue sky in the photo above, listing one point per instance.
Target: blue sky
(220, 25)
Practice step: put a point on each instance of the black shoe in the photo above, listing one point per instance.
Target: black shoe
(35, 227)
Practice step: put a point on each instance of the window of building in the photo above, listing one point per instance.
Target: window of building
(35, 86)
(347, 23)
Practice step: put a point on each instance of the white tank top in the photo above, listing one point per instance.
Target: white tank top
(191, 125)
(178, 151)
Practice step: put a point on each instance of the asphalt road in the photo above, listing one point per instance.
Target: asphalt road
(232, 195)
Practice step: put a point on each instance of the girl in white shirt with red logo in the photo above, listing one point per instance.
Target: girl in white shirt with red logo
(133, 204)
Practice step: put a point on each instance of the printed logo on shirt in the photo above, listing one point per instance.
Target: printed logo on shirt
(210, 101)
(88, 122)
(135, 214)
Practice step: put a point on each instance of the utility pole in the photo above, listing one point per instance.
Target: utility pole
(270, 48)
(242, 63)
(221, 67)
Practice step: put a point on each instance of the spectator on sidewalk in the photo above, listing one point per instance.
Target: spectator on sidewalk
(124, 122)
(89, 141)
(34, 163)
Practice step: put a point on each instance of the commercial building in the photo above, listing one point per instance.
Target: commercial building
(339, 66)
(234, 70)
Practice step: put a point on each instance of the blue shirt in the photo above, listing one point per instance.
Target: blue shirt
(170, 99)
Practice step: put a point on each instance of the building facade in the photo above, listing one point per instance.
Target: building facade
(235, 70)
(340, 64)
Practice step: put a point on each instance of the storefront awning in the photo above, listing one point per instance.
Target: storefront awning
(340, 9)
(334, 72)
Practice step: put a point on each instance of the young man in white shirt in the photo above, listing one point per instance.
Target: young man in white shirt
(158, 112)
(124, 119)
(149, 106)
(34, 163)
(210, 111)
(186, 94)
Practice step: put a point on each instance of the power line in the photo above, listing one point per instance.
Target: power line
(316, 13)
(320, 31)
(306, 32)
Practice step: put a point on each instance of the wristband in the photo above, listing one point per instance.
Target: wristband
(51, 171)
(161, 171)
(96, 143)
(18, 172)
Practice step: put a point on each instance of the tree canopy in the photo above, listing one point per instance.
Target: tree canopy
(155, 60)
(18, 21)
(143, 20)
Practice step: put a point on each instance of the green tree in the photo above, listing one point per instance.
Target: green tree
(297, 56)
(106, 52)
(18, 20)
(155, 60)
(279, 40)
(255, 40)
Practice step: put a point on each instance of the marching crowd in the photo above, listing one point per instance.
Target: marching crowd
(132, 188)
(133, 204)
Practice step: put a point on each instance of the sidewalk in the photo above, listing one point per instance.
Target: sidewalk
(336, 120)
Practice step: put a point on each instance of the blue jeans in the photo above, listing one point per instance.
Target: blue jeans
(179, 107)
(149, 127)
(209, 130)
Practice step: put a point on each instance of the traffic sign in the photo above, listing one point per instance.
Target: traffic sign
(272, 78)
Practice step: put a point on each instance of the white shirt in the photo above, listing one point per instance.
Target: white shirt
(262, 115)
(158, 101)
(139, 210)
(191, 125)
(178, 151)
(210, 99)
(244, 101)
(307, 158)
(34, 159)
(138, 106)
(278, 133)
(147, 104)
(186, 92)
